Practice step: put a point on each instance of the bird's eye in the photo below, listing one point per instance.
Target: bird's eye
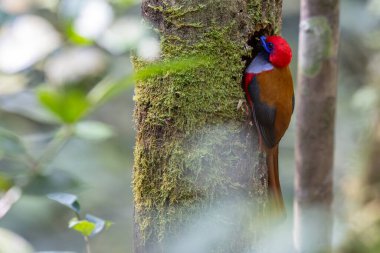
(270, 45)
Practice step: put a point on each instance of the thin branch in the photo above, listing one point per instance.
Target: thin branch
(9, 199)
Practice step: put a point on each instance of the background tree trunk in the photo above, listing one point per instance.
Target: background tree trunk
(363, 192)
(315, 116)
(199, 181)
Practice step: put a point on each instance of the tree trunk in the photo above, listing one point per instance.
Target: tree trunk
(315, 116)
(371, 182)
(199, 180)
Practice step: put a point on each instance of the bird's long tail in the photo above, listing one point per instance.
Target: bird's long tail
(274, 181)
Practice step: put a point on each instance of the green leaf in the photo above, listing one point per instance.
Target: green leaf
(100, 224)
(66, 199)
(68, 106)
(125, 3)
(10, 143)
(84, 227)
(107, 89)
(93, 130)
(76, 38)
(25, 104)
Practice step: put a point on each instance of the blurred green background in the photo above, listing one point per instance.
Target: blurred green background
(54, 52)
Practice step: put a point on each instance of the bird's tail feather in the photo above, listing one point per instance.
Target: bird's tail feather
(274, 182)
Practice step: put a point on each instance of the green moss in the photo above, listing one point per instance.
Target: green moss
(194, 147)
(268, 18)
(179, 109)
(176, 14)
(255, 10)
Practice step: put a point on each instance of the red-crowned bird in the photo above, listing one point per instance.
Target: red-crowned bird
(268, 86)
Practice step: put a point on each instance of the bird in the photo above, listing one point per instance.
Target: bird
(268, 87)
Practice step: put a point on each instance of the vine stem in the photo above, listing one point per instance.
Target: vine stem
(55, 146)
(87, 242)
(86, 239)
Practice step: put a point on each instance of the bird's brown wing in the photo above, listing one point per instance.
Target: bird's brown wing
(264, 114)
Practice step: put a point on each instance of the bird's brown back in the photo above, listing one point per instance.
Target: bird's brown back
(276, 90)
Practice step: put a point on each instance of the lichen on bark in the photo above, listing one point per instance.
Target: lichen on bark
(195, 148)
(318, 34)
(315, 117)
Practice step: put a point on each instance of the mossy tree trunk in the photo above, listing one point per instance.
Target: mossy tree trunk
(199, 179)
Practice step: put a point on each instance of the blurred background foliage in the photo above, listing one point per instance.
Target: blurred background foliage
(57, 131)
(62, 127)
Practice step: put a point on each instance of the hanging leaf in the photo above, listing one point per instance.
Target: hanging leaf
(109, 88)
(66, 199)
(100, 224)
(84, 227)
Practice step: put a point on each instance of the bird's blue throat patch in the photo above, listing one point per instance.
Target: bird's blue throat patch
(265, 45)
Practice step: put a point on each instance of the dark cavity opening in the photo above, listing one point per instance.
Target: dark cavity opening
(254, 43)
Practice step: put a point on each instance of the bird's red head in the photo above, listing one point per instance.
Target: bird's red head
(280, 53)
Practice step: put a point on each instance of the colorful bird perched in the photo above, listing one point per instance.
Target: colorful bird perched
(268, 86)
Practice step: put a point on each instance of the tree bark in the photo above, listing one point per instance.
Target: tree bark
(315, 116)
(199, 182)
